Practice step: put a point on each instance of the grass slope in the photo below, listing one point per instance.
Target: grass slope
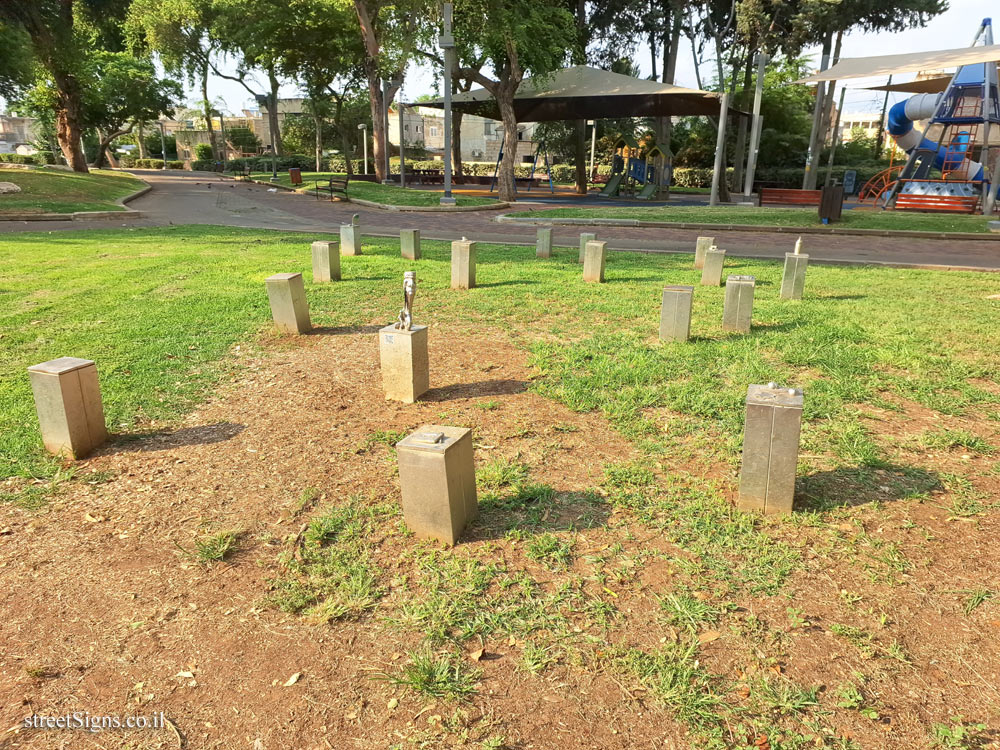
(158, 308)
(372, 191)
(767, 216)
(57, 191)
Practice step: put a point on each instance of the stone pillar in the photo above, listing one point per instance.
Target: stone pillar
(409, 243)
(702, 244)
(593, 261)
(543, 245)
(463, 264)
(675, 313)
(437, 478)
(585, 237)
(289, 308)
(68, 402)
(350, 237)
(770, 448)
(737, 310)
(405, 368)
(793, 280)
(711, 273)
(326, 261)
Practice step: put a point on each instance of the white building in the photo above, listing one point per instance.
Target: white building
(481, 136)
(17, 134)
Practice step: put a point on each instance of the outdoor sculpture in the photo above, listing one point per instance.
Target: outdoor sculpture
(405, 321)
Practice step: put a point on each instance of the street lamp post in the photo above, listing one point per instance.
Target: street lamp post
(593, 143)
(163, 144)
(385, 132)
(447, 42)
(363, 127)
(274, 152)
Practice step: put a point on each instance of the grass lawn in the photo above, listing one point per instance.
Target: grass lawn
(767, 216)
(641, 587)
(373, 191)
(57, 191)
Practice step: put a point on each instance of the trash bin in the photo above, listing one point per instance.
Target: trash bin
(831, 203)
(296, 175)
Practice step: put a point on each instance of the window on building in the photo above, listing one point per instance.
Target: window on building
(434, 131)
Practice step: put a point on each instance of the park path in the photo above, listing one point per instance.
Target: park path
(206, 198)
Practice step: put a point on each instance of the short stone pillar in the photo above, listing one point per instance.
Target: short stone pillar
(585, 237)
(326, 261)
(593, 261)
(437, 477)
(737, 310)
(289, 308)
(675, 313)
(409, 243)
(701, 245)
(68, 402)
(543, 244)
(793, 279)
(463, 264)
(770, 448)
(711, 272)
(403, 357)
(350, 237)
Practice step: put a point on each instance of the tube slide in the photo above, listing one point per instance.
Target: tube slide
(921, 107)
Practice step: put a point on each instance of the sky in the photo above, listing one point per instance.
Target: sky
(953, 28)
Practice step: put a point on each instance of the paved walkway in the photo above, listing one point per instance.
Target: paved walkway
(205, 198)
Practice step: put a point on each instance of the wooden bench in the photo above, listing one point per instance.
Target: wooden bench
(334, 186)
(784, 197)
(430, 176)
(954, 204)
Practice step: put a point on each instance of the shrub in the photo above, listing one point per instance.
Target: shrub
(45, 157)
(175, 165)
(17, 159)
(126, 161)
(203, 152)
(203, 165)
(284, 163)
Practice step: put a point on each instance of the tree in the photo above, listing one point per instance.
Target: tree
(62, 32)
(517, 38)
(15, 60)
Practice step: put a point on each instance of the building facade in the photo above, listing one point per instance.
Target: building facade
(481, 136)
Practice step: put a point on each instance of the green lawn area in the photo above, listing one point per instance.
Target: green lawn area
(58, 191)
(372, 191)
(767, 216)
(158, 309)
(649, 579)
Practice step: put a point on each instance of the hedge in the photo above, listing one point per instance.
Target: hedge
(263, 163)
(17, 159)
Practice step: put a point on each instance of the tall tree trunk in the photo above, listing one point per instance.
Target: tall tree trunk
(504, 95)
(319, 141)
(741, 128)
(345, 142)
(456, 148)
(272, 113)
(68, 130)
(207, 106)
(140, 139)
(827, 125)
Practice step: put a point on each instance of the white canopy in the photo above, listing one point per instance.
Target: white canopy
(910, 62)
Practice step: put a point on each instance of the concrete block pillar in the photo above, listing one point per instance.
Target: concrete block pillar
(737, 310)
(675, 313)
(69, 406)
(585, 237)
(701, 246)
(326, 261)
(404, 362)
(793, 279)
(543, 245)
(463, 264)
(350, 237)
(711, 272)
(437, 477)
(289, 308)
(593, 261)
(770, 448)
(409, 243)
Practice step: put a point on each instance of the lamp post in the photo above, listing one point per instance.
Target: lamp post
(593, 143)
(447, 42)
(163, 144)
(363, 127)
(273, 100)
(385, 132)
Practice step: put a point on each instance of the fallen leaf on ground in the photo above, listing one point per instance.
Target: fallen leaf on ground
(184, 674)
(709, 635)
(477, 654)
(293, 679)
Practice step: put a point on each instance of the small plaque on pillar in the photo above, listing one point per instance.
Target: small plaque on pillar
(770, 448)
(737, 310)
(701, 246)
(326, 261)
(437, 477)
(68, 402)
